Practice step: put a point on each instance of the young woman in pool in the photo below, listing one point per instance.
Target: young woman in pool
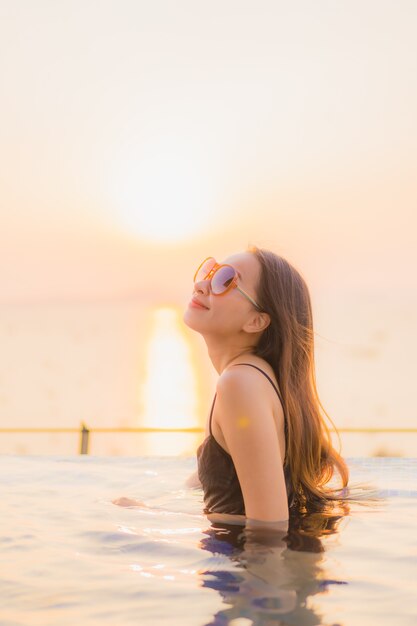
(267, 450)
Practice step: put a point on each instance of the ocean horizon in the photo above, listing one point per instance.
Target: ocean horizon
(105, 364)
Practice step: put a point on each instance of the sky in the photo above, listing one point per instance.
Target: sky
(138, 138)
(150, 135)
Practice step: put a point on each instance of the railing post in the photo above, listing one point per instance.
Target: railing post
(85, 433)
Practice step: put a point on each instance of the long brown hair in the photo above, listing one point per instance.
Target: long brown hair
(287, 344)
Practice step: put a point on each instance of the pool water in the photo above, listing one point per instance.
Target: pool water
(71, 556)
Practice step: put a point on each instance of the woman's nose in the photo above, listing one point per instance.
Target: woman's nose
(202, 286)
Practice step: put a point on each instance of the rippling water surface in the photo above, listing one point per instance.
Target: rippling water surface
(69, 555)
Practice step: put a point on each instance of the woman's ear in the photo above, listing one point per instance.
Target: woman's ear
(257, 323)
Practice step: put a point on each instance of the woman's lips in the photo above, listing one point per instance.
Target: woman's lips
(197, 305)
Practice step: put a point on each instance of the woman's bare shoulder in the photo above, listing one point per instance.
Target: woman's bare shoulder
(245, 373)
(246, 382)
(240, 385)
(234, 377)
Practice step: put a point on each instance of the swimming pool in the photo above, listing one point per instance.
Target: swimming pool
(71, 556)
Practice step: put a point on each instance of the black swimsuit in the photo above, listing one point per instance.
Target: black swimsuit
(217, 472)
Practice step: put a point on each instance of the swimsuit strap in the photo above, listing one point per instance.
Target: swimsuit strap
(211, 413)
(270, 380)
(268, 377)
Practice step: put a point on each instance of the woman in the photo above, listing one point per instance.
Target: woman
(269, 450)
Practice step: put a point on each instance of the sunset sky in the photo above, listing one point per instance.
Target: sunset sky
(139, 137)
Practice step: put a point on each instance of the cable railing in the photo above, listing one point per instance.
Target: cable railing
(85, 432)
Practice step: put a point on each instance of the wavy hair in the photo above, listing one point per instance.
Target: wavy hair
(287, 344)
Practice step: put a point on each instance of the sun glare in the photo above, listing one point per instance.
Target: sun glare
(170, 397)
(164, 196)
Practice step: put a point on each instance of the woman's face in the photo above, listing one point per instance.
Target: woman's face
(228, 313)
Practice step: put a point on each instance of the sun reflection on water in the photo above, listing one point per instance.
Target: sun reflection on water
(170, 389)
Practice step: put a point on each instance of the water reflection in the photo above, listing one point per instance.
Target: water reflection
(275, 573)
(169, 389)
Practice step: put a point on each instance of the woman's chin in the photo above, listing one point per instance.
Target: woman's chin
(190, 319)
(186, 318)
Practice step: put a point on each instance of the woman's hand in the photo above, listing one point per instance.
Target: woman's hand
(123, 501)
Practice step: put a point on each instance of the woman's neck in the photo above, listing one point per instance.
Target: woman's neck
(222, 355)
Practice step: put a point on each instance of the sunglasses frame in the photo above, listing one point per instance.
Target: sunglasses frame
(233, 284)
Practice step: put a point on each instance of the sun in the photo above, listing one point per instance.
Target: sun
(164, 194)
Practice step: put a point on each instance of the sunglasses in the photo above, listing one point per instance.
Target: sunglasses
(222, 278)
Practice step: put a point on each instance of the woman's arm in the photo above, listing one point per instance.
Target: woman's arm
(248, 426)
(227, 518)
(132, 503)
(193, 480)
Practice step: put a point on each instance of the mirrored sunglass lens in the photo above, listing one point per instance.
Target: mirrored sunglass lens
(222, 279)
(204, 270)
